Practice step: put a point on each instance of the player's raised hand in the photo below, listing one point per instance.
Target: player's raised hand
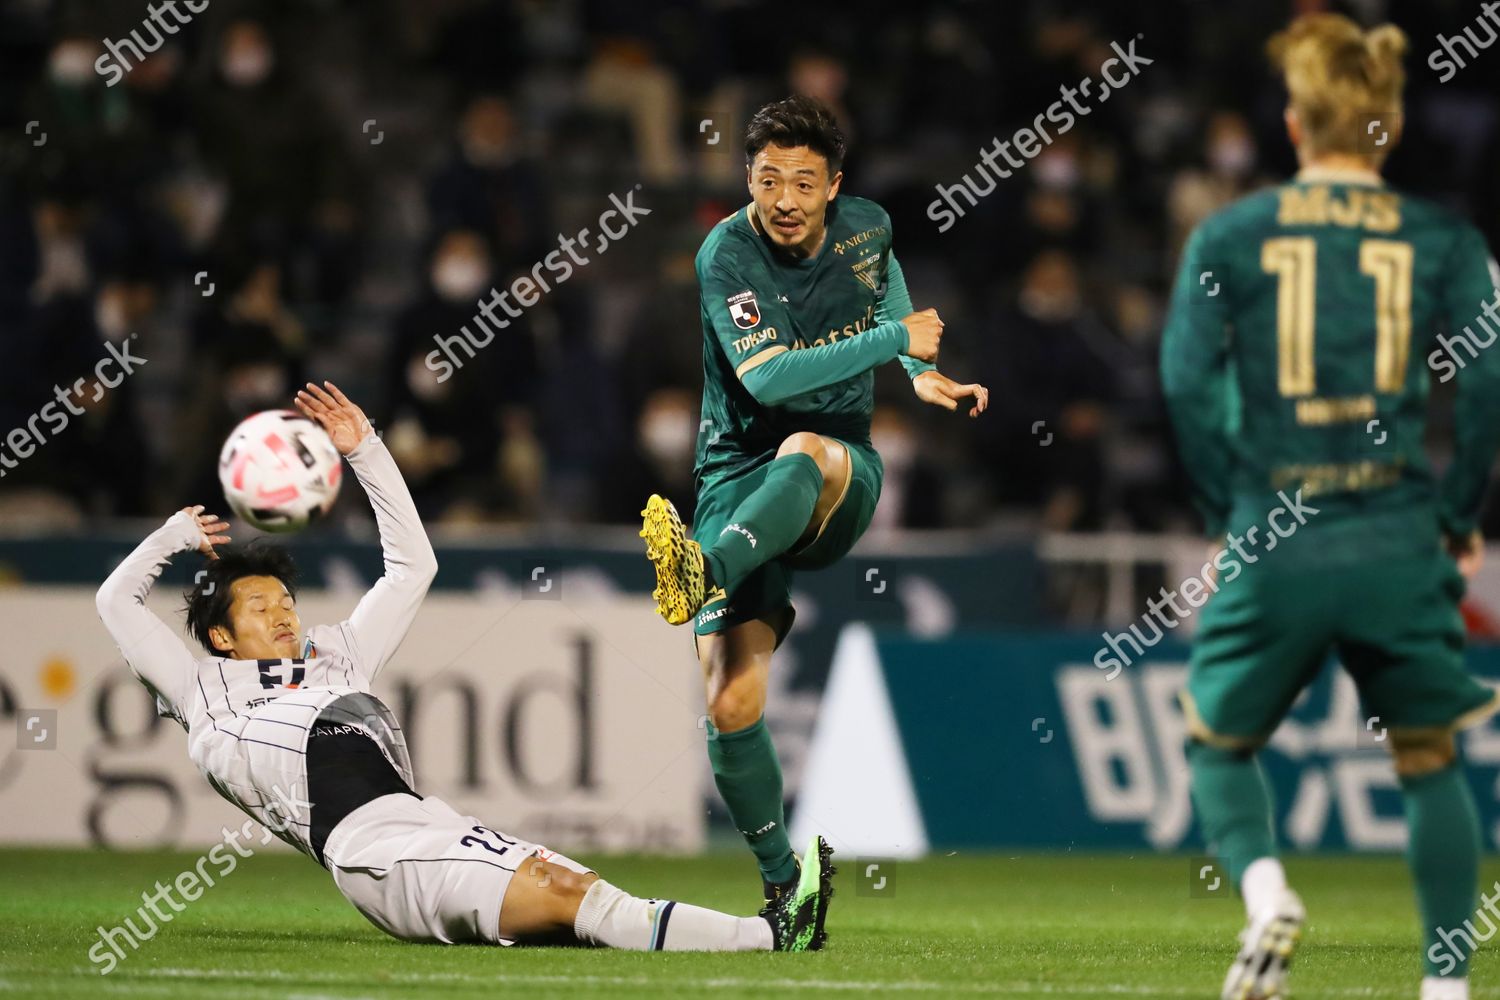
(923, 333)
(940, 390)
(212, 529)
(345, 423)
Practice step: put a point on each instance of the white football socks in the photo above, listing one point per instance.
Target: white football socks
(616, 919)
(1262, 886)
(1435, 988)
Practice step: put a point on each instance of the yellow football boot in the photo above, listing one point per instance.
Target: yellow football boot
(678, 561)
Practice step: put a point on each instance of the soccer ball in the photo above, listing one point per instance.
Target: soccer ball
(280, 470)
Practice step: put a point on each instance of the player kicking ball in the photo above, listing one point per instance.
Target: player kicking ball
(801, 299)
(284, 726)
(1304, 367)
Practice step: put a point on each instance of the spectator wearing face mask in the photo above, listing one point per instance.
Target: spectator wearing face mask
(97, 464)
(80, 156)
(490, 185)
(291, 184)
(465, 443)
(660, 458)
(1228, 171)
(913, 492)
(247, 355)
(1057, 208)
(1055, 359)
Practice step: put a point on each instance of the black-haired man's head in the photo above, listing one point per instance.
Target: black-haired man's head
(243, 605)
(794, 150)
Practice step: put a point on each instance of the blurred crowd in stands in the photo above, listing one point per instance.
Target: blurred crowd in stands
(315, 188)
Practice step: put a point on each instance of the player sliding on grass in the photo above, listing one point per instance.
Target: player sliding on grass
(1296, 359)
(800, 300)
(285, 727)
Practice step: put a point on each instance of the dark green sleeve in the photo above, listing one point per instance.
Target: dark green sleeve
(1195, 380)
(1472, 297)
(792, 373)
(894, 303)
(784, 373)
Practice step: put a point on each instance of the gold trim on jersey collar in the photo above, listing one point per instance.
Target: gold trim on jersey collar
(1338, 175)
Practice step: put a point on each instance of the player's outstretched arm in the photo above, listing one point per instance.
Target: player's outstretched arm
(152, 648)
(384, 614)
(756, 332)
(778, 374)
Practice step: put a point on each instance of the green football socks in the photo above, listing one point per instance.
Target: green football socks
(1443, 852)
(767, 522)
(1234, 807)
(748, 774)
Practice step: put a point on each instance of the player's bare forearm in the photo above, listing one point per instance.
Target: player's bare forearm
(938, 389)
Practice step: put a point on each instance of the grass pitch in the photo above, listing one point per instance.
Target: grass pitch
(1029, 925)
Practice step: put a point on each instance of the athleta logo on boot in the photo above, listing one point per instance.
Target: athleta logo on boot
(740, 530)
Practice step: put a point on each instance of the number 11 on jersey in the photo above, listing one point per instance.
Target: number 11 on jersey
(1293, 260)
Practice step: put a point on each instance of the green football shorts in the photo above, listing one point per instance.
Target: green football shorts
(769, 588)
(1394, 624)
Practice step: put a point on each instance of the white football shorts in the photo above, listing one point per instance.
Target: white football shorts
(421, 871)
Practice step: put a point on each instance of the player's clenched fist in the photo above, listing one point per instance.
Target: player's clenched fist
(923, 332)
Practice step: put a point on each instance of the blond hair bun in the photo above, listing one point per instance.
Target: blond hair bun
(1338, 76)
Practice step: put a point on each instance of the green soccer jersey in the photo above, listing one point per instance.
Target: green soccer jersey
(791, 345)
(1306, 325)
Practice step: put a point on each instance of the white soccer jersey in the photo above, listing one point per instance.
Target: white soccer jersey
(248, 720)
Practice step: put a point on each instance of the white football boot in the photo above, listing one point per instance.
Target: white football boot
(1266, 948)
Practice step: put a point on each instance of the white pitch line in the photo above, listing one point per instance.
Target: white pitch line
(114, 985)
(759, 984)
